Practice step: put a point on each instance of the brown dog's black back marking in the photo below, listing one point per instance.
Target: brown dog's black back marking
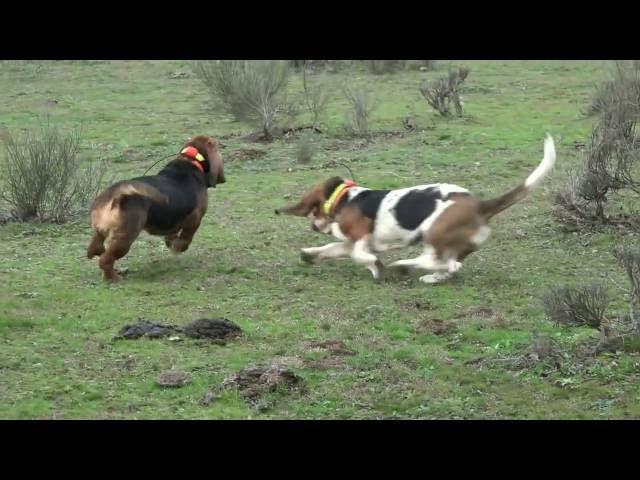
(180, 183)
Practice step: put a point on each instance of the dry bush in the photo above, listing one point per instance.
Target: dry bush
(623, 86)
(443, 92)
(305, 151)
(253, 91)
(576, 306)
(629, 260)
(43, 178)
(611, 160)
(362, 107)
(316, 96)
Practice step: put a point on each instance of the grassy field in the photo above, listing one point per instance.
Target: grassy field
(418, 352)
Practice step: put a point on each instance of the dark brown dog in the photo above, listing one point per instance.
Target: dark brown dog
(171, 204)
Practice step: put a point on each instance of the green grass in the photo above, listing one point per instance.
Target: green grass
(57, 317)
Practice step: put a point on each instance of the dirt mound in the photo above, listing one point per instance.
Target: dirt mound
(327, 363)
(336, 347)
(244, 154)
(145, 329)
(435, 326)
(215, 328)
(478, 311)
(254, 382)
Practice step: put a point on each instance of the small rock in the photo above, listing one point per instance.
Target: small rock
(337, 347)
(435, 326)
(209, 398)
(478, 312)
(174, 379)
(179, 75)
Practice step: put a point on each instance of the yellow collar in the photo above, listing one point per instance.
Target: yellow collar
(338, 193)
(193, 153)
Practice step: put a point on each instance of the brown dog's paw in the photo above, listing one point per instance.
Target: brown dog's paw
(307, 257)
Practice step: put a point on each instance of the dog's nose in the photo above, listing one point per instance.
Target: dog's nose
(277, 211)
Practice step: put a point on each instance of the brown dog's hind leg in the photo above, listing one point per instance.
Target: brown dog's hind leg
(96, 245)
(118, 247)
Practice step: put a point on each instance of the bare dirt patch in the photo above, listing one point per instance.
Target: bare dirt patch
(253, 382)
(174, 379)
(436, 326)
(244, 154)
(335, 347)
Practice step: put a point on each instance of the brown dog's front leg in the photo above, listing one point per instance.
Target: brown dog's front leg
(181, 242)
(168, 240)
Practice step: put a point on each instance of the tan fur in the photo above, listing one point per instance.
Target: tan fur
(490, 208)
(137, 188)
(450, 235)
(354, 224)
(105, 210)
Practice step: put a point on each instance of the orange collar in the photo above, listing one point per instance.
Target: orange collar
(198, 165)
(193, 153)
(333, 201)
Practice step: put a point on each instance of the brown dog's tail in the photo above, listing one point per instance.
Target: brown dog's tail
(489, 208)
(129, 189)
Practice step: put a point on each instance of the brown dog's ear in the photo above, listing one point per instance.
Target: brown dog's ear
(304, 207)
(216, 162)
(300, 209)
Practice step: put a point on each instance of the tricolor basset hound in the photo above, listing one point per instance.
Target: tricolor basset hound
(447, 219)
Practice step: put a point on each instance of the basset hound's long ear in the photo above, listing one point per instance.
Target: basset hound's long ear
(215, 161)
(306, 205)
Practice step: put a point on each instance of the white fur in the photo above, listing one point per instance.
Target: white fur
(388, 234)
(547, 163)
(331, 250)
(362, 255)
(435, 277)
(481, 236)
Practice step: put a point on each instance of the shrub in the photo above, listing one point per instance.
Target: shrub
(43, 177)
(359, 115)
(611, 159)
(305, 151)
(629, 260)
(576, 306)
(253, 91)
(444, 91)
(316, 96)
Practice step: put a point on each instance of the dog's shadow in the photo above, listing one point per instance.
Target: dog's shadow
(172, 267)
